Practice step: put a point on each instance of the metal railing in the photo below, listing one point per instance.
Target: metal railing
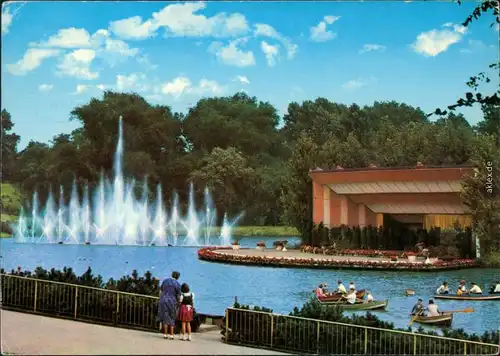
(78, 302)
(314, 336)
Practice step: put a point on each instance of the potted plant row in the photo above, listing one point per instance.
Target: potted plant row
(280, 245)
(261, 245)
(236, 245)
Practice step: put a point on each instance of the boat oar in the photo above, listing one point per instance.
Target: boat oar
(412, 320)
(467, 310)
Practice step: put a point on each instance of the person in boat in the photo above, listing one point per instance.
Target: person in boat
(320, 292)
(351, 285)
(495, 288)
(325, 288)
(433, 309)
(418, 309)
(369, 297)
(443, 289)
(341, 288)
(474, 289)
(351, 296)
(462, 289)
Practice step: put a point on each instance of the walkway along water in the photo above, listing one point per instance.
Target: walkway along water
(27, 334)
(245, 327)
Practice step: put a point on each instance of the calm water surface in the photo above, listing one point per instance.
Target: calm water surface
(281, 289)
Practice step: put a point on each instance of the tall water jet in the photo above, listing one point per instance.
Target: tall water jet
(86, 215)
(174, 219)
(49, 217)
(210, 215)
(34, 215)
(60, 217)
(21, 225)
(100, 224)
(225, 231)
(160, 221)
(74, 214)
(112, 214)
(192, 224)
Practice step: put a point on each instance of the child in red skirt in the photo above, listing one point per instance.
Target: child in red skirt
(186, 311)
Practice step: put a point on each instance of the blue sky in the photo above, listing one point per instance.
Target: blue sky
(57, 55)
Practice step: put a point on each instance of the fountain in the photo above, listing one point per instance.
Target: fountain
(113, 215)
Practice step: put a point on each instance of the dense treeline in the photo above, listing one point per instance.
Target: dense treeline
(252, 159)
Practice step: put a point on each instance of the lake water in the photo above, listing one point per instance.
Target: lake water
(281, 289)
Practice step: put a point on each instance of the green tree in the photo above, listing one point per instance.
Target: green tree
(33, 168)
(239, 121)
(9, 147)
(296, 197)
(481, 192)
(229, 177)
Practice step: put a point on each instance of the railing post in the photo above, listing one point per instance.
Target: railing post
(76, 302)
(317, 336)
(272, 330)
(414, 344)
(366, 341)
(465, 348)
(117, 312)
(227, 326)
(36, 295)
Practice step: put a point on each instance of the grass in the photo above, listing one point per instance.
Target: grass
(11, 199)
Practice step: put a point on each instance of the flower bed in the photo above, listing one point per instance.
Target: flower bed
(350, 252)
(217, 255)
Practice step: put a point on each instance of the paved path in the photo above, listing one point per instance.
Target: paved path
(29, 334)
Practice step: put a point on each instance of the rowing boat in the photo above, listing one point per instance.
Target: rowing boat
(337, 296)
(375, 305)
(475, 297)
(440, 320)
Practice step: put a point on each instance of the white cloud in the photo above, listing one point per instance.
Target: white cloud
(101, 87)
(357, 83)
(80, 89)
(6, 19)
(271, 53)
(115, 51)
(176, 87)
(206, 86)
(319, 33)
(77, 64)
(372, 48)
(183, 85)
(31, 60)
(133, 28)
(434, 42)
(45, 87)
(242, 79)
(232, 54)
(69, 38)
(132, 82)
(182, 20)
(264, 30)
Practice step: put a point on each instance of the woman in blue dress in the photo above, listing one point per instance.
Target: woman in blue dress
(170, 292)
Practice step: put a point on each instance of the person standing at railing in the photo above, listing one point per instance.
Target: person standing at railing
(186, 312)
(170, 293)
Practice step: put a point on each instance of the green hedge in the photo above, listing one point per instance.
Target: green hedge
(392, 238)
(295, 334)
(96, 304)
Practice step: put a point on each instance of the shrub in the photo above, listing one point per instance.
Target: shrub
(300, 334)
